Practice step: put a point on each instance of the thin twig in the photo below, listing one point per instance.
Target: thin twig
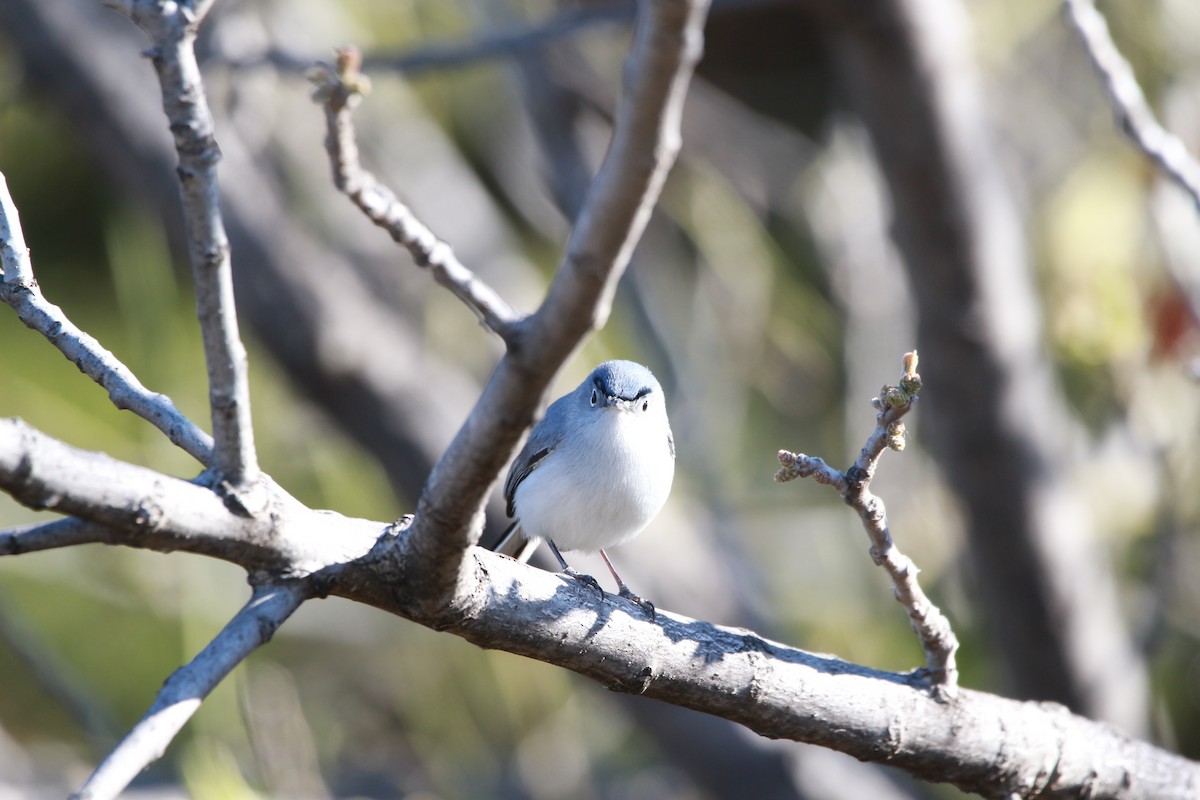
(183, 692)
(338, 90)
(19, 288)
(931, 626)
(1133, 112)
(66, 532)
(172, 30)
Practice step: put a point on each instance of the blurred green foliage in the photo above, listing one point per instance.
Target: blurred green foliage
(389, 708)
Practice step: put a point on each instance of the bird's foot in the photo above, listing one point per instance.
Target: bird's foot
(645, 605)
(587, 580)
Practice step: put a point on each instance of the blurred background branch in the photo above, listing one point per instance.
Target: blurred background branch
(1132, 111)
(938, 174)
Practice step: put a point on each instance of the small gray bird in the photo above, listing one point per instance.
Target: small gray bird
(596, 469)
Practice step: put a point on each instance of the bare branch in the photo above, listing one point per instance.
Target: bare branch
(931, 626)
(183, 692)
(997, 423)
(338, 91)
(172, 29)
(150, 510)
(1133, 112)
(667, 44)
(66, 532)
(668, 41)
(977, 741)
(19, 288)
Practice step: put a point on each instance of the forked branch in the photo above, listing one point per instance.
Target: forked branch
(172, 31)
(854, 485)
(338, 89)
(19, 288)
(646, 140)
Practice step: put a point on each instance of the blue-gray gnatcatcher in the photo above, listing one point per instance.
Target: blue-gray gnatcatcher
(596, 469)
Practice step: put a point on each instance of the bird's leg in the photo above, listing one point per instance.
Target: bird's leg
(579, 576)
(646, 605)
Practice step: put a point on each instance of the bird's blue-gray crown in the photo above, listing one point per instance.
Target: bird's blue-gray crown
(624, 380)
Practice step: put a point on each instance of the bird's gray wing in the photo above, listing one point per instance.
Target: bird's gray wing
(542, 440)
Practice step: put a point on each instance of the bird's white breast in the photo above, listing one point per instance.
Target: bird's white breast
(587, 498)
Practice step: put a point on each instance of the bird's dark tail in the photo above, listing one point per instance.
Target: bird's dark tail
(514, 544)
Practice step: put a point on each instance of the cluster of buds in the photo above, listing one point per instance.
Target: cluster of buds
(899, 397)
(343, 82)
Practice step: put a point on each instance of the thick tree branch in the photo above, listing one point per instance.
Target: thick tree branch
(183, 692)
(172, 30)
(979, 742)
(19, 288)
(1133, 112)
(150, 510)
(84, 59)
(976, 741)
(667, 45)
(668, 42)
(854, 485)
(338, 90)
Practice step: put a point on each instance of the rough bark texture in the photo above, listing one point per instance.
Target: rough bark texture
(996, 421)
(978, 742)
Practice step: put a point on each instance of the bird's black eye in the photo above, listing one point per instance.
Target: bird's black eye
(645, 405)
(595, 397)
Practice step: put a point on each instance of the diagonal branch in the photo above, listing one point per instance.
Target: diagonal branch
(66, 532)
(976, 741)
(668, 41)
(339, 90)
(172, 30)
(150, 510)
(169, 513)
(1133, 112)
(666, 46)
(19, 288)
(183, 692)
(854, 485)
(979, 742)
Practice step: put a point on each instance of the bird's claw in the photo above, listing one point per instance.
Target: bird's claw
(645, 605)
(587, 580)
